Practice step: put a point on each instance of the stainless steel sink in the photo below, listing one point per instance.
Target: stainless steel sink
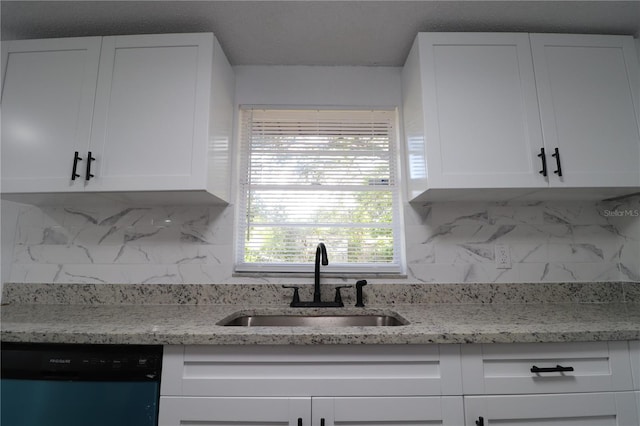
(368, 320)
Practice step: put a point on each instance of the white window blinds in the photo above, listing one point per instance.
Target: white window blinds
(310, 176)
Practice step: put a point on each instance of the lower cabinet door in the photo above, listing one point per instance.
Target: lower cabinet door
(392, 411)
(586, 409)
(182, 411)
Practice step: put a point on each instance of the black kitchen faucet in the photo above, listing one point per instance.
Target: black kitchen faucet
(321, 256)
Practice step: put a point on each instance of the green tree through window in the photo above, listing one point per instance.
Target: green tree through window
(311, 176)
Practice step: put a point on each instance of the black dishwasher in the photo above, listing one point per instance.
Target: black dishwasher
(73, 385)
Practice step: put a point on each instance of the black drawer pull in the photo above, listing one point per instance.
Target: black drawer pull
(542, 156)
(480, 421)
(299, 421)
(90, 158)
(556, 155)
(556, 369)
(322, 422)
(76, 158)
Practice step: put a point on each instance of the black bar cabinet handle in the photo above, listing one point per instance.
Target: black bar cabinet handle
(90, 158)
(556, 369)
(76, 158)
(299, 421)
(322, 422)
(556, 155)
(480, 421)
(542, 156)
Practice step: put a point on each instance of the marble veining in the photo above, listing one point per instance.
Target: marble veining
(551, 241)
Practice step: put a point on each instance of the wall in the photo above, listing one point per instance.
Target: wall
(306, 85)
(450, 242)
(8, 219)
(548, 241)
(447, 242)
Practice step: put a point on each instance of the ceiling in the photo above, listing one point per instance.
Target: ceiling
(329, 32)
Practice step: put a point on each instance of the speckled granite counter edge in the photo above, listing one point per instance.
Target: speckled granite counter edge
(273, 294)
(435, 323)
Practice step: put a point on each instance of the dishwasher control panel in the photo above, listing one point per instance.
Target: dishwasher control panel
(81, 362)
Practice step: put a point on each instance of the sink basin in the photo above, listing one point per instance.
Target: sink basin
(374, 320)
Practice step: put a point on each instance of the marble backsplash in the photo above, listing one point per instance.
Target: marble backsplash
(572, 241)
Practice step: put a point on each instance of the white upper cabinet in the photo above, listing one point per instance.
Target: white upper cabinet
(487, 112)
(47, 104)
(479, 108)
(152, 112)
(160, 124)
(588, 94)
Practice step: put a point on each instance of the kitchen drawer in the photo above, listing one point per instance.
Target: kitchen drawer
(316, 370)
(507, 368)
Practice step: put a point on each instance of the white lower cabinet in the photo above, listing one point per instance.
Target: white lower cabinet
(579, 409)
(319, 385)
(635, 368)
(528, 368)
(392, 411)
(307, 411)
(274, 411)
(635, 363)
(559, 384)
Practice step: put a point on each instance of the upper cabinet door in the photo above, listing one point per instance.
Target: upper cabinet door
(151, 117)
(47, 106)
(480, 111)
(588, 94)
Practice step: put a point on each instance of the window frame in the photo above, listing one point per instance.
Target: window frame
(396, 268)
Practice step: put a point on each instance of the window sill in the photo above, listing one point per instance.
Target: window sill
(338, 275)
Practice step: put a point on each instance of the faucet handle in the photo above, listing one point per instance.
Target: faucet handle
(359, 285)
(338, 298)
(296, 295)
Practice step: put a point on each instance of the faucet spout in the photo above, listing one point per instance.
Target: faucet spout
(321, 254)
(321, 257)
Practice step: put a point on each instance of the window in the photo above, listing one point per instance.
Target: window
(310, 176)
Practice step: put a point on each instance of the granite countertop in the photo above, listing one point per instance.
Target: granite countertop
(195, 323)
